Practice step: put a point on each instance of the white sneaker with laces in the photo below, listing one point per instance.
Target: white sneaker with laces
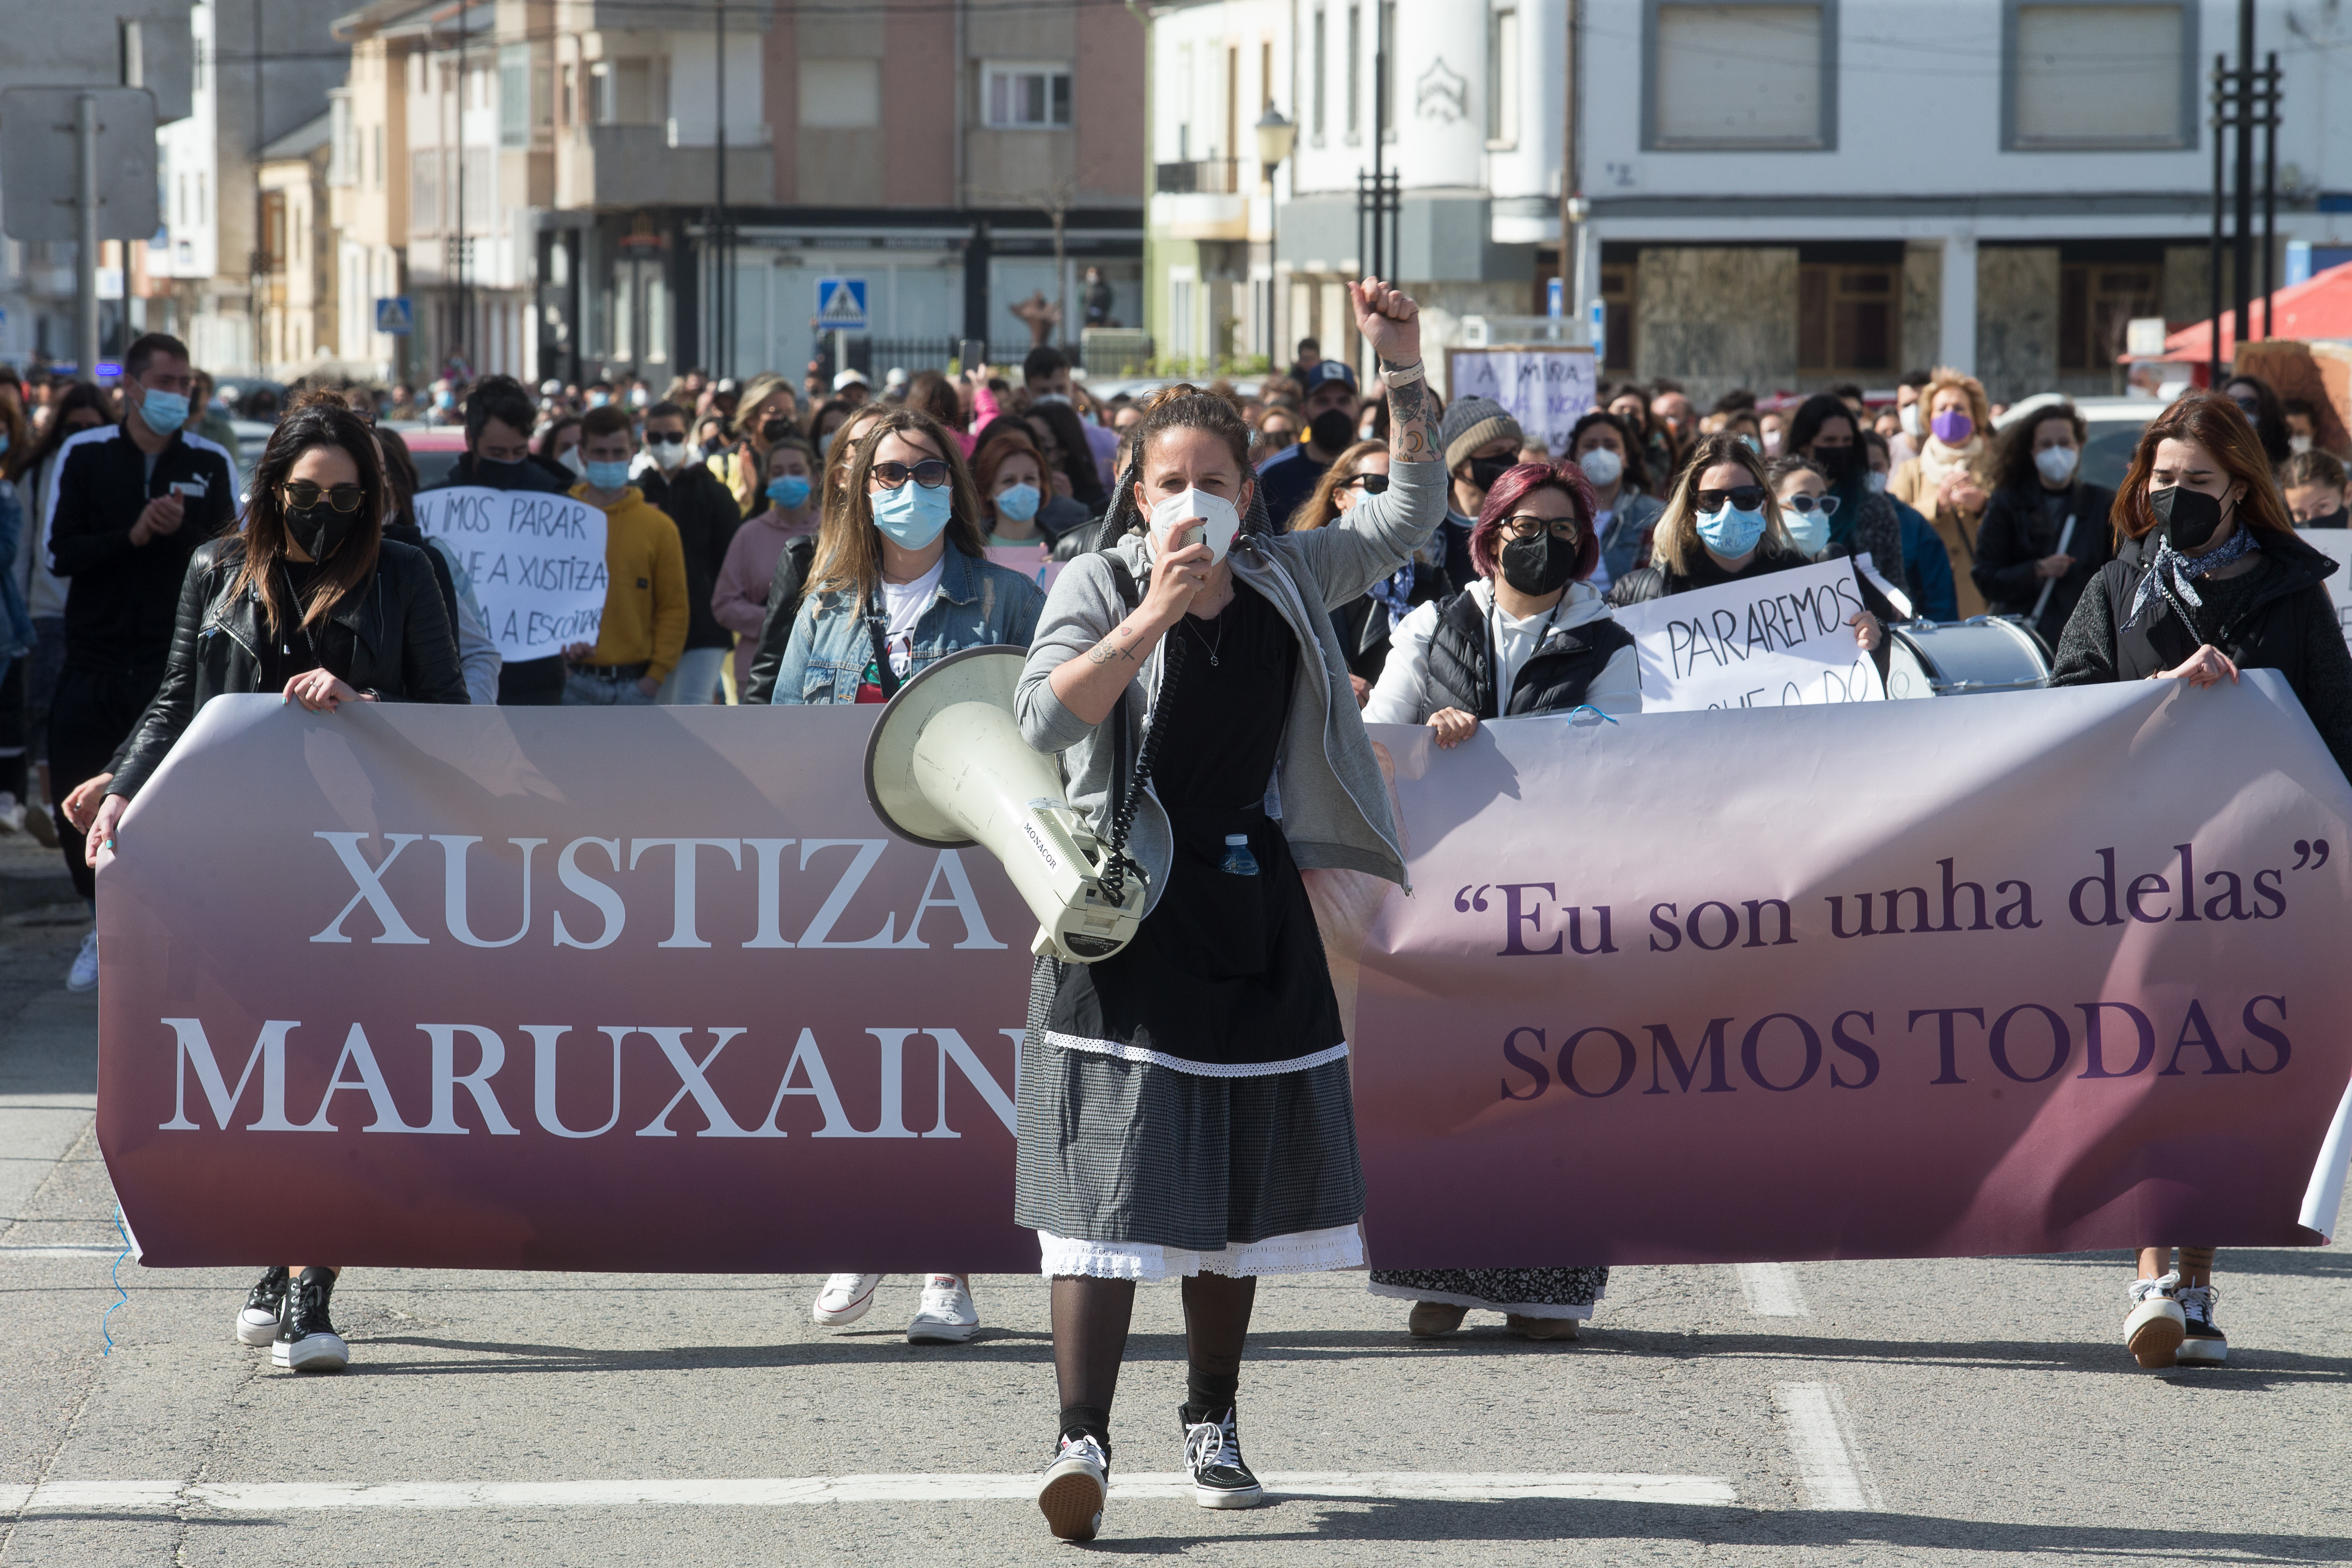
(83, 975)
(2154, 1326)
(947, 1316)
(844, 1299)
(1072, 1490)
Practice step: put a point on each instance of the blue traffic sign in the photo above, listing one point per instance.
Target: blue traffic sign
(393, 316)
(840, 304)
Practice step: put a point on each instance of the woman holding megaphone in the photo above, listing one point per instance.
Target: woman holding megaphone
(1184, 1103)
(900, 579)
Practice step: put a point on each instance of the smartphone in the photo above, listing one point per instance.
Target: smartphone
(972, 354)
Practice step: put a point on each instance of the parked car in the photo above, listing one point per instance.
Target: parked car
(436, 447)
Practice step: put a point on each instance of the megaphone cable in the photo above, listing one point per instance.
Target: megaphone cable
(1113, 872)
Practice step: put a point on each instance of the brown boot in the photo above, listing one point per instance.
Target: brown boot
(1540, 1328)
(1435, 1319)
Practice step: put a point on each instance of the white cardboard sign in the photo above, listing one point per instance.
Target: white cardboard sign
(1776, 641)
(2335, 543)
(537, 561)
(1547, 390)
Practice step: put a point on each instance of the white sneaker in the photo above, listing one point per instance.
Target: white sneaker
(947, 1316)
(83, 975)
(2156, 1325)
(12, 813)
(844, 1299)
(1071, 1492)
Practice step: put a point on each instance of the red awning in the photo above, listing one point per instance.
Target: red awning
(2318, 306)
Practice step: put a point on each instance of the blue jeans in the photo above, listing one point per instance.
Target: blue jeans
(582, 689)
(694, 682)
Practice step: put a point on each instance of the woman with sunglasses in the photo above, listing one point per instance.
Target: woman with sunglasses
(1806, 503)
(1367, 622)
(308, 598)
(1724, 524)
(901, 578)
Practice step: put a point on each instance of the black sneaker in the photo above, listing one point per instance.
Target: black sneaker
(1212, 1452)
(1071, 1492)
(307, 1340)
(2203, 1343)
(256, 1321)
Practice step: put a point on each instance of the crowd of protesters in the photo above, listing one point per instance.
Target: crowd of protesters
(823, 542)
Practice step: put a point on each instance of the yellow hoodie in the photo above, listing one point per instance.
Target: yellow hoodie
(645, 595)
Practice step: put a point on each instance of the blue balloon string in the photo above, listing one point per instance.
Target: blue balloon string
(113, 1279)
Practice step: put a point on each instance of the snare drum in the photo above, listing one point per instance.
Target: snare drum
(1953, 658)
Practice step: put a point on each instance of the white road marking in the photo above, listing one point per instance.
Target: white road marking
(1830, 1462)
(9, 1252)
(289, 1497)
(1772, 1290)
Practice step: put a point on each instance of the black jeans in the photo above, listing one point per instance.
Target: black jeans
(532, 683)
(93, 711)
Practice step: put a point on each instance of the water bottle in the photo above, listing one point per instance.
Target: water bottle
(1238, 861)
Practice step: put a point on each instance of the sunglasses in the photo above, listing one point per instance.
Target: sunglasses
(665, 438)
(1371, 484)
(1742, 498)
(930, 473)
(302, 495)
(1803, 505)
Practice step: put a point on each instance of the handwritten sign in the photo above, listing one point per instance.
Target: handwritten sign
(2335, 543)
(1776, 641)
(1030, 560)
(537, 561)
(1547, 390)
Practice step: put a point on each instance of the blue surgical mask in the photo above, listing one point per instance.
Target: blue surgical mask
(1731, 532)
(608, 476)
(1811, 530)
(912, 515)
(162, 411)
(789, 492)
(1017, 503)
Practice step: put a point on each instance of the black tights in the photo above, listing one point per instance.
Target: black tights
(1091, 1324)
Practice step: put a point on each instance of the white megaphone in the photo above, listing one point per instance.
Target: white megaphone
(945, 766)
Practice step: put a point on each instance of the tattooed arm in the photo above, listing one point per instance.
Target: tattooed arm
(1390, 322)
(1413, 421)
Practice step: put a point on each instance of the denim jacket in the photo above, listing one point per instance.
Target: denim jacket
(978, 604)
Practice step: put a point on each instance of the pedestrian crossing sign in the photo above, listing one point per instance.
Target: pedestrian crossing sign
(394, 317)
(840, 304)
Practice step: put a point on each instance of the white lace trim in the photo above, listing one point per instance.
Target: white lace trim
(1300, 1252)
(1199, 1069)
(1522, 1309)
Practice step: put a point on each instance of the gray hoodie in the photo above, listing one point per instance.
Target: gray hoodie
(1326, 789)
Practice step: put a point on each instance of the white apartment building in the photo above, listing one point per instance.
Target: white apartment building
(1783, 193)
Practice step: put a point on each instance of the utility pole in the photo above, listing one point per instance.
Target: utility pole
(86, 240)
(464, 325)
(722, 277)
(258, 283)
(1571, 183)
(2242, 281)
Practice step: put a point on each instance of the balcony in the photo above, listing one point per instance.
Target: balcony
(635, 165)
(1202, 177)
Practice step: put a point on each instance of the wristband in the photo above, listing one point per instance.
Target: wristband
(1401, 375)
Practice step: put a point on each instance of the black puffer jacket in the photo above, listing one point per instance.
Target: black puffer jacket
(403, 647)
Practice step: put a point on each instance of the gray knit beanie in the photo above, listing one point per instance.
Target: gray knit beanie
(1470, 423)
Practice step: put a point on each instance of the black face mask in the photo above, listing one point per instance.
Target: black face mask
(1540, 565)
(2327, 519)
(1837, 462)
(1484, 471)
(775, 430)
(2187, 516)
(1334, 430)
(320, 529)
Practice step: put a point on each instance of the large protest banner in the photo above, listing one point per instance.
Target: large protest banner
(537, 562)
(483, 988)
(1778, 640)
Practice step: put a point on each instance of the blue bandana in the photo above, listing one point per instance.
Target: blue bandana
(1394, 593)
(2241, 544)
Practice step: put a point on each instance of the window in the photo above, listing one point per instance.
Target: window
(1315, 83)
(570, 101)
(1845, 318)
(514, 95)
(1617, 322)
(273, 231)
(600, 93)
(1027, 97)
(840, 95)
(2098, 74)
(1739, 74)
(2093, 304)
(425, 190)
(378, 131)
(1502, 79)
(1355, 71)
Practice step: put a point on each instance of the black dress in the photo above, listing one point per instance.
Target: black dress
(1189, 1095)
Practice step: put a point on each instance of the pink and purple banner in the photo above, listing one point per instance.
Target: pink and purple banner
(651, 989)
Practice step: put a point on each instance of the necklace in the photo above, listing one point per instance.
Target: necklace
(1205, 642)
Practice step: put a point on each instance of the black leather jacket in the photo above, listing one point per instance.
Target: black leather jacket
(403, 647)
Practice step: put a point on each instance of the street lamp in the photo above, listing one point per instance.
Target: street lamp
(1276, 137)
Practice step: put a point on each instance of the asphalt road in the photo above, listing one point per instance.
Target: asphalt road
(1955, 1411)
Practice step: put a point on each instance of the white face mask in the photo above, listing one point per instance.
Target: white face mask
(1910, 418)
(1602, 467)
(668, 457)
(2298, 443)
(1221, 521)
(573, 461)
(2056, 463)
